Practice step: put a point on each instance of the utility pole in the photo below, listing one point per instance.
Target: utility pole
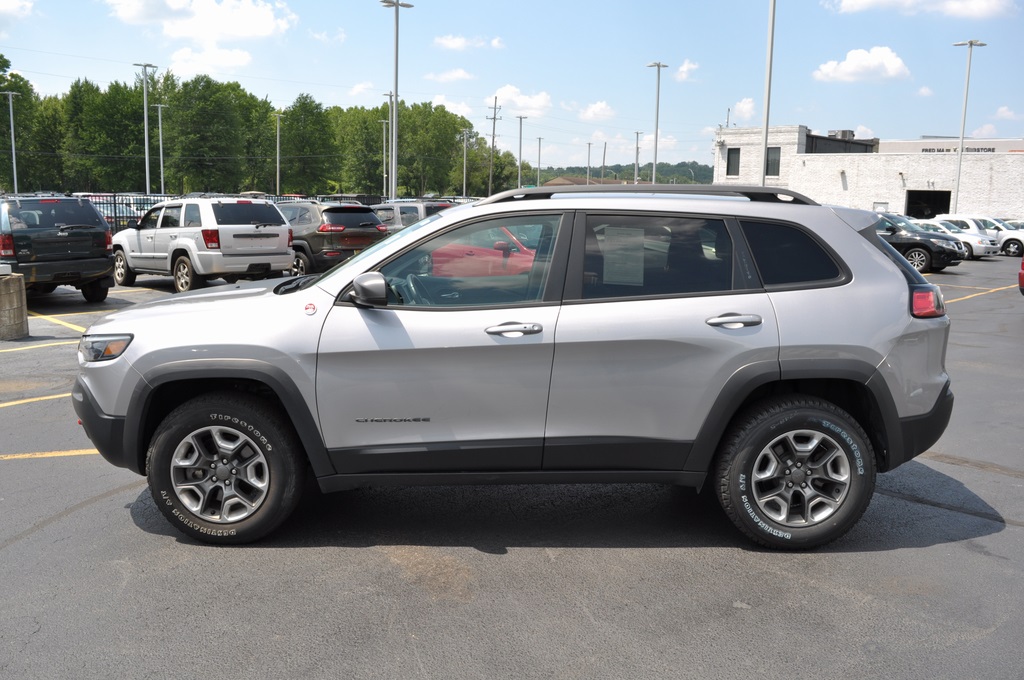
(636, 161)
(494, 123)
(465, 144)
(278, 152)
(520, 149)
(160, 133)
(538, 160)
(604, 158)
(588, 162)
(14, 157)
(384, 156)
(145, 116)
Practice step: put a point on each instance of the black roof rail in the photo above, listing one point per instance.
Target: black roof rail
(752, 193)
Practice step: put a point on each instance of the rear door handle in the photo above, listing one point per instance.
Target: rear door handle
(514, 329)
(734, 321)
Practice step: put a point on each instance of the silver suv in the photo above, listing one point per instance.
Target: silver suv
(195, 239)
(738, 338)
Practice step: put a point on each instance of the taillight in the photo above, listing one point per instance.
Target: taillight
(110, 242)
(289, 237)
(327, 228)
(382, 227)
(211, 237)
(926, 301)
(7, 245)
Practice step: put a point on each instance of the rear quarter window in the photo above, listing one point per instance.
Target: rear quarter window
(787, 255)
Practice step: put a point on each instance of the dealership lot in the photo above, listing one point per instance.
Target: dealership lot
(581, 581)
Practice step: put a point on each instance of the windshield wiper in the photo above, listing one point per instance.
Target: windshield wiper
(69, 227)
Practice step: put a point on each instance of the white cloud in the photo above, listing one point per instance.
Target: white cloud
(861, 132)
(510, 96)
(450, 76)
(873, 64)
(986, 130)
(597, 111)
(208, 24)
(924, 91)
(967, 9)
(324, 37)
(743, 109)
(11, 11)
(684, 72)
(459, 43)
(360, 88)
(1005, 113)
(458, 108)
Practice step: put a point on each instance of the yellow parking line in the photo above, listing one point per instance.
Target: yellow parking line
(49, 454)
(34, 399)
(993, 290)
(57, 321)
(48, 344)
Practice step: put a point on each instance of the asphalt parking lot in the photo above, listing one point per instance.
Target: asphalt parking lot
(619, 581)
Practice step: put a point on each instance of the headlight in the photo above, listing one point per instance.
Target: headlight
(942, 243)
(103, 347)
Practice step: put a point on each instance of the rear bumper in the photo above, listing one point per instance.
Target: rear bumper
(920, 432)
(219, 263)
(64, 272)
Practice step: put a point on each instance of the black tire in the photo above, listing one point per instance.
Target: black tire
(795, 472)
(225, 468)
(95, 291)
(1013, 248)
(185, 277)
(123, 274)
(920, 259)
(969, 255)
(301, 265)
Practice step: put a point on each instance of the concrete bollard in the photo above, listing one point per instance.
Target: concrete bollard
(13, 307)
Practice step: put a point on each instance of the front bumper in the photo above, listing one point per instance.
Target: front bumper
(105, 431)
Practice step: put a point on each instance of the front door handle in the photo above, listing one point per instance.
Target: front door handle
(514, 329)
(734, 321)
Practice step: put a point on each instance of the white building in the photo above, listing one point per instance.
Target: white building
(913, 177)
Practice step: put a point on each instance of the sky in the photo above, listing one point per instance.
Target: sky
(570, 77)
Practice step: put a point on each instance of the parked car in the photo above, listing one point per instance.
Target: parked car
(118, 215)
(400, 214)
(57, 241)
(775, 351)
(195, 238)
(324, 234)
(1010, 236)
(974, 246)
(927, 251)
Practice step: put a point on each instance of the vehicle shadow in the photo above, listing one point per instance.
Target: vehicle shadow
(903, 514)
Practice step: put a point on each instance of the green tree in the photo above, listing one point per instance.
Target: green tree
(203, 131)
(81, 131)
(23, 103)
(309, 157)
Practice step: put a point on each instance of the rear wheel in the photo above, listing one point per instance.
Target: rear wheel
(185, 277)
(919, 258)
(225, 468)
(123, 274)
(795, 472)
(94, 291)
(970, 251)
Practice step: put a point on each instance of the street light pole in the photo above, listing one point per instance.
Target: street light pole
(538, 160)
(520, 149)
(160, 132)
(971, 44)
(384, 157)
(767, 90)
(588, 162)
(145, 115)
(278, 189)
(465, 145)
(14, 157)
(657, 65)
(394, 109)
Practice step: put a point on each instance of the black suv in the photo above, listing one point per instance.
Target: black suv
(926, 250)
(57, 241)
(325, 234)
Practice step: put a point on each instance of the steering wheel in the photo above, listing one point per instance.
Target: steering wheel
(417, 293)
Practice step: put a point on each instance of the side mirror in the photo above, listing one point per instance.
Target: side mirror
(892, 230)
(369, 289)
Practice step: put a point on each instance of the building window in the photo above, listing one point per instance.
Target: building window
(771, 164)
(732, 164)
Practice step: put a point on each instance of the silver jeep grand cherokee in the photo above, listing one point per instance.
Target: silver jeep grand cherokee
(740, 338)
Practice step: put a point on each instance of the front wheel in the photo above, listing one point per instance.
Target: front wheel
(1013, 248)
(795, 472)
(185, 277)
(919, 259)
(969, 255)
(301, 265)
(225, 468)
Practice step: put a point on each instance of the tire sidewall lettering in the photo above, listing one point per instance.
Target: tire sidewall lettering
(244, 426)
